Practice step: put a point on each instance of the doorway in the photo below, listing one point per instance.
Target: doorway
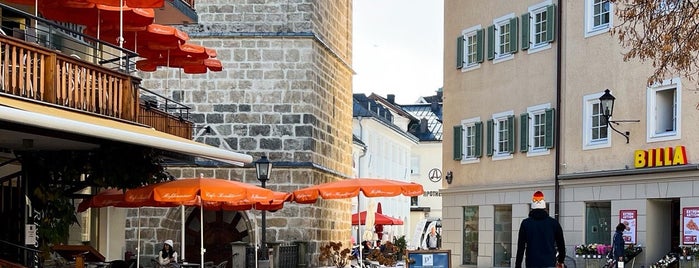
(663, 227)
(220, 229)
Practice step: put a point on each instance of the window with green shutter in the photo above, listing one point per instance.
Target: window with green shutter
(470, 46)
(540, 129)
(458, 135)
(504, 35)
(472, 129)
(459, 52)
(503, 134)
(538, 27)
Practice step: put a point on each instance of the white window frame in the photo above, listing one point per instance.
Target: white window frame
(465, 124)
(589, 144)
(497, 118)
(590, 28)
(533, 11)
(471, 33)
(652, 103)
(499, 55)
(533, 111)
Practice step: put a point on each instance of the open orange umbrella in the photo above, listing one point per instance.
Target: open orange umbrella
(135, 38)
(351, 187)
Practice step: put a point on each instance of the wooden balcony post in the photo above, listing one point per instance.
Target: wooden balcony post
(50, 66)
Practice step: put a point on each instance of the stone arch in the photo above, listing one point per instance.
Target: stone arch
(221, 228)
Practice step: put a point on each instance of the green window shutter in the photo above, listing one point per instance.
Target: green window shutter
(460, 52)
(525, 31)
(511, 134)
(513, 34)
(524, 132)
(479, 139)
(491, 42)
(550, 127)
(550, 23)
(458, 136)
(479, 46)
(489, 138)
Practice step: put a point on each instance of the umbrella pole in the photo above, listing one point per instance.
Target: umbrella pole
(108, 221)
(359, 238)
(201, 232)
(138, 240)
(182, 242)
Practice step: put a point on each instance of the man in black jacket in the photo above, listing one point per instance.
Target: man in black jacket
(540, 237)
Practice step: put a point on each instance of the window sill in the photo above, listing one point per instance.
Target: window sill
(502, 157)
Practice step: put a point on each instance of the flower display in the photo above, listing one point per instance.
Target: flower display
(666, 261)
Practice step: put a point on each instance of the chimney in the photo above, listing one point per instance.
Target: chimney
(391, 98)
(423, 125)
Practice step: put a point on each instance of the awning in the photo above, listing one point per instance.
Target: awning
(40, 116)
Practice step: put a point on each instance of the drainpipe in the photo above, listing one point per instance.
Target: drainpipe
(359, 175)
(559, 74)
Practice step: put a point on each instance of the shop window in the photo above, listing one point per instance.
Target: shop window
(470, 240)
(502, 251)
(598, 229)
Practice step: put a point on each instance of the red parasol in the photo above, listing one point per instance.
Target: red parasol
(379, 219)
(135, 38)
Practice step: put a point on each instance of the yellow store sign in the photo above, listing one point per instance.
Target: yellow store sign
(660, 157)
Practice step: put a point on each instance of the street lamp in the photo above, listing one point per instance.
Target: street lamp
(607, 105)
(263, 167)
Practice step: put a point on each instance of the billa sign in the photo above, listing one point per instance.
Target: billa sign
(660, 157)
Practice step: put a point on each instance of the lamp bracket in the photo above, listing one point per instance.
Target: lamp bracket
(617, 122)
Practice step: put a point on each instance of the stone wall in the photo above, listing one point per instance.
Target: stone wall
(286, 92)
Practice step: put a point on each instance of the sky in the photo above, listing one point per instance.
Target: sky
(397, 48)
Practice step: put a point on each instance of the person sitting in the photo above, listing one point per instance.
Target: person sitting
(167, 257)
(366, 249)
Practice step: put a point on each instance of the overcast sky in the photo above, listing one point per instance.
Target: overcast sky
(398, 48)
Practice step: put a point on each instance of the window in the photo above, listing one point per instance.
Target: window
(664, 104)
(598, 223)
(537, 130)
(502, 38)
(470, 49)
(471, 135)
(502, 251)
(470, 239)
(538, 27)
(598, 17)
(501, 136)
(595, 130)
(414, 201)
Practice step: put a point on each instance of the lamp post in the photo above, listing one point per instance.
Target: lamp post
(607, 105)
(263, 167)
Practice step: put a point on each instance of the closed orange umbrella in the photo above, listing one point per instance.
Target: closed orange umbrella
(90, 14)
(351, 187)
(131, 3)
(135, 38)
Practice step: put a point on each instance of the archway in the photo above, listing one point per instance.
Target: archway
(220, 229)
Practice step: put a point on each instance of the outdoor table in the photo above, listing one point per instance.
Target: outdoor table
(189, 265)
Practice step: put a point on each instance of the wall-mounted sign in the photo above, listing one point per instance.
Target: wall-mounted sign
(660, 157)
(690, 225)
(435, 175)
(629, 218)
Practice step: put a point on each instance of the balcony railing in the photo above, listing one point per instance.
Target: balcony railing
(47, 62)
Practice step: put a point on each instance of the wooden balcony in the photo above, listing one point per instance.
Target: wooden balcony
(35, 72)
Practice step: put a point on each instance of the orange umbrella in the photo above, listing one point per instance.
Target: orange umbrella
(135, 38)
(359, 219)
(131, 3)
(89, 14)
(208, 189)
(351, 188)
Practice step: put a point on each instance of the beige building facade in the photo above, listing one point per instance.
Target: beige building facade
(522, 82)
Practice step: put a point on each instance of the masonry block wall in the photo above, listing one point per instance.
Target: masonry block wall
(285, 91)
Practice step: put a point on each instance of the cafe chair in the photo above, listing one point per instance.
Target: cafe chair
(209, 264)
(222, 264)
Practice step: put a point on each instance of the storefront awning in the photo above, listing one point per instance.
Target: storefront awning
(40, 116)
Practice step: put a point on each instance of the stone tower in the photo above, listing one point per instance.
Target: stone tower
(286, 92)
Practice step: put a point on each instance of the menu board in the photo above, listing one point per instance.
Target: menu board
(630, 219)
(690, 225)
(429, 258)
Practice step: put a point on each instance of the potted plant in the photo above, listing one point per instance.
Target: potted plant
(401, 244)
(333, 254)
